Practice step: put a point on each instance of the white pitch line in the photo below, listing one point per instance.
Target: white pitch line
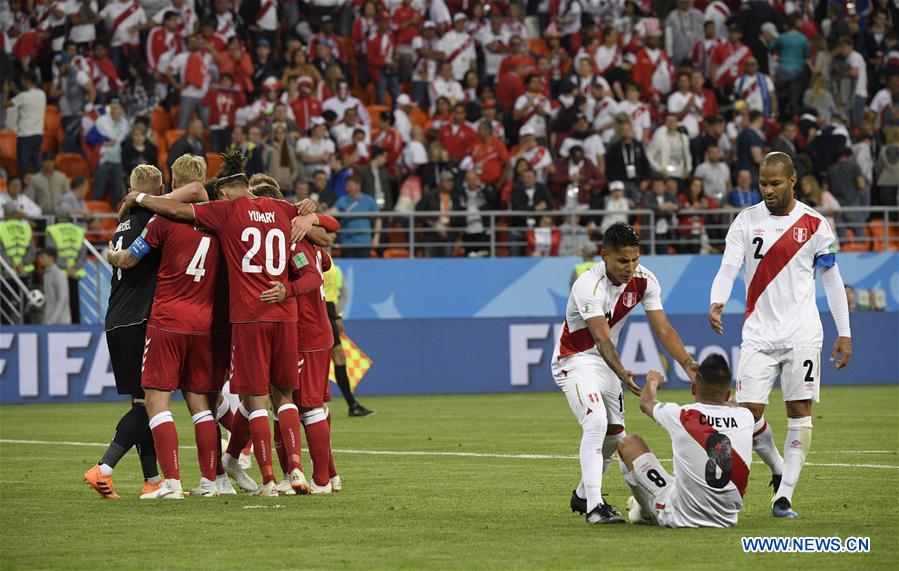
(451, 454)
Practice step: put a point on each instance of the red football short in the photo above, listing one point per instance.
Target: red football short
(313, 368)
(263, 353)
(221, 357)
(177, 360)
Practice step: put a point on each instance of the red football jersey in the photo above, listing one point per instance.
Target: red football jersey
(185, 285)
(313, 326)
(255, 237)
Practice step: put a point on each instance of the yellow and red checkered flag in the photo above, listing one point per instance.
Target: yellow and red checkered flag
(357, 362)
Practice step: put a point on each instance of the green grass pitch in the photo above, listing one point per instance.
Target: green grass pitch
(474, 510)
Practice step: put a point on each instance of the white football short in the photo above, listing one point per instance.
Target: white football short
(799, 370)
(589, 383)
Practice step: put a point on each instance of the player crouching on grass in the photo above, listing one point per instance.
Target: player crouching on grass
(178, 350)
(712, 444)
(254, 233)
(587, 367)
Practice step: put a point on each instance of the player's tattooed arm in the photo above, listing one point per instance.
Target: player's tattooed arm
(123, 259)
(602, 337)
(162, 206)
(648, 397)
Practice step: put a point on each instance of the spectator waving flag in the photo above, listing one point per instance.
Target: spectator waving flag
(357, 363)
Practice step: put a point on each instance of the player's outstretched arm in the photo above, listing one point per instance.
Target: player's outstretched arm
(162, 206)
(671, 341)
(721, 288)
(648, 396)
(839, 309)
(190, 192)
(602, 337)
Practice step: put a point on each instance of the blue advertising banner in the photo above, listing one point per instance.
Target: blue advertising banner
(538, 287)
(436, 356)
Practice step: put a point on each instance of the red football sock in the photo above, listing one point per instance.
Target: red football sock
(165, 440)
(219, 468)
(240, 435)
(261, 435)
(318, 436)
(279, 447)
(291, 436)
(227, 420)
(332, 471)
(208, 442)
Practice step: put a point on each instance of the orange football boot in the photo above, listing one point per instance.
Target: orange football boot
(150, 488)
(101, 483)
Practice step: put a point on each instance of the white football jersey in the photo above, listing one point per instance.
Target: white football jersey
(594, 295)
(779, 254)
(712, 448)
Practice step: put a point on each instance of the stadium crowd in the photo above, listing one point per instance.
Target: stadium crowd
(459, 107)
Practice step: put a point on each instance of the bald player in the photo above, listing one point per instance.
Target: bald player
(782, 244)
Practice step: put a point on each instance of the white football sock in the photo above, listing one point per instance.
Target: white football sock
(796, 447)
(763, 444)
(594, 426)
(609, 447)
(105, 469)
(581, 492)
(644, 498)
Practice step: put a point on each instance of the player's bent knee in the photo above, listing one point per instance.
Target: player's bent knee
(799, 408)
(632, 446)
(757, 409)
(310, 417)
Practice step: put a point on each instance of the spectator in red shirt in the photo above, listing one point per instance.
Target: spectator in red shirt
(458, 138)
(236, 61)
(511, 86)
(364, 27)
(490, 156)
(306, 105)
(379, 52)
(223, 101)
(386, 137)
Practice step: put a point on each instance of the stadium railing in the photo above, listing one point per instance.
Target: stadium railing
(438, 234)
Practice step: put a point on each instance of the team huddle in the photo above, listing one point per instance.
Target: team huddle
(236, 275)
(782, 244)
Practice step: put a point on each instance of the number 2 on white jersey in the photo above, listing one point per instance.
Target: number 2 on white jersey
(196, 267)
(274, 263)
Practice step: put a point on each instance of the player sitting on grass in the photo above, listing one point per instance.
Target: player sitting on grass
(712, 444)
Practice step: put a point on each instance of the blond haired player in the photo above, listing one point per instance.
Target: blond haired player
(783, 244)
(130, 299)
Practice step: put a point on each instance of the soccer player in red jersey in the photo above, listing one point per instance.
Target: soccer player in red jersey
(313, 355)
(255, 236)
(178, 346)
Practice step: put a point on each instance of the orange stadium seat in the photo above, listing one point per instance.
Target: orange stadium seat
(73, 164)
(8, 152)
(159, 120)
(171, 136)
(396, 253)
(374, 111)
(418, 117)
(213, 164)
(104, 228)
